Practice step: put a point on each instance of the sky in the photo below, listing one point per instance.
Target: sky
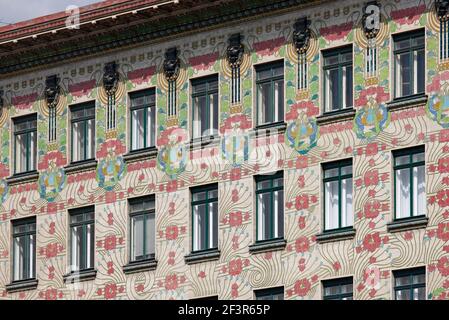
(12, 11)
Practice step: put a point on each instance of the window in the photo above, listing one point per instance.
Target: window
(410, 284)
(142, 216)
(444, 38)
(205, 217)
(409, 183)
(270, 206)
(205, 106)
(371, 58)
(24, 249)
(82, 230)
(338, 195)
(270, 93)
(270, 294)
(409, 63)
(337, 289)
(337, 72)
(83, 132)
(25, 142)
(143, 120)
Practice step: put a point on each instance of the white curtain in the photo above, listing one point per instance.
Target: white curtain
(346, 203)
(331, 205)
(402, 193)
(419, 191)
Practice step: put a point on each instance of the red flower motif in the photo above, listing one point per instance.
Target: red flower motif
(408, 15)
(51, 250)
(171, 232)
(51, 294)
(140, 76)
(336, 32)
(239, 120)
(110, 291)
(443, 198)
(236, 174)
(371, 149)
(301, 222)
(301, 162)
(203, 62)
(443, 231)
(371, 178)
(110, 242)
(372, 209)
(302, 287)
(82, 88)
(202, 274)
(235, 267)
(336, 265)
(171, 282)
(302, 244)
(267, 47)
(234, 290)
(110, 197)
(371, 241)
(172, 186)
(235, 219)
(408, 236)
(443, 266)
(302, 202)
(443, 165)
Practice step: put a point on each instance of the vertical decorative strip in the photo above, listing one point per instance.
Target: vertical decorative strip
(52, 91)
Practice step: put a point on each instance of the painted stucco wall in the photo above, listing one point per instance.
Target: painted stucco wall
(370, 257)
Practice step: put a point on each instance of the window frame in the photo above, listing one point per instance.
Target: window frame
(83, 254)
(269, 292)
(410, 272)
(338, 282)
(74, 108)
(27, 233)
(271, 189)
(207, 92)
(272, 79)
(411, 49)
(338, 52)
(206, 188)
(146, 108)
(410, 152)
(28, 132)
(334, 165)
(147, 215)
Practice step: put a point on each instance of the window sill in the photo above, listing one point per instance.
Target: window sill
(17, 178)
(23, 285)
(266, 129)
(268, 245)
(206, 141)
(202, 256)
(337, 235)
(84, 275)
(136, 155)
(407, 102)
(336, 116)
(407, 224)
(140, 266)
(75, 167)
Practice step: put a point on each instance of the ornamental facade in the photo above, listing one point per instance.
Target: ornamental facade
(226, 149)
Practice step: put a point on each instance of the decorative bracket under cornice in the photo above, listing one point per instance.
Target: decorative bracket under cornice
(110, 77)
(442, 9)
(171, 64)
(52, 90)
(234, 52)
(301, 34)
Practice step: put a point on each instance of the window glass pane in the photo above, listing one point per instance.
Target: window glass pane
(90, 111)
(151, 127)
(419, 278)
(20, 153)
(331, 205)
(278, 182)
(331, 60)
(200, 121)
(419, 191)
(402, 160)
(346, 288)
(331, 93)
(76, 247)
(420, 71)
(332, 290)
(278, 204)
(403, 294)
(213, 225)
(136, 206)
(198, 196)
(137, 237)
(403, 281)
(137, 134)
(264, 216)
(215, 113)
(402, 44)
(78, 141)
(346, 170)
(347, 73)
(346, 203)
(264, 74)
(200, 228)
(148, 204)
(31, 257)
(90, 141)
(419, 293)
(199, 87)
(213, 194)
(418, 41)
(150, 235)
(402, 193)
(19, 258)
(90, 246)
(265, 104)
(279, 100)
(264, 184)
(278, 71)
(404, 79)
(32, 151)
(346, 57)
(418, 157)
(329, 173)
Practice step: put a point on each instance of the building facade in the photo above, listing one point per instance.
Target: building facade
(226, 149)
